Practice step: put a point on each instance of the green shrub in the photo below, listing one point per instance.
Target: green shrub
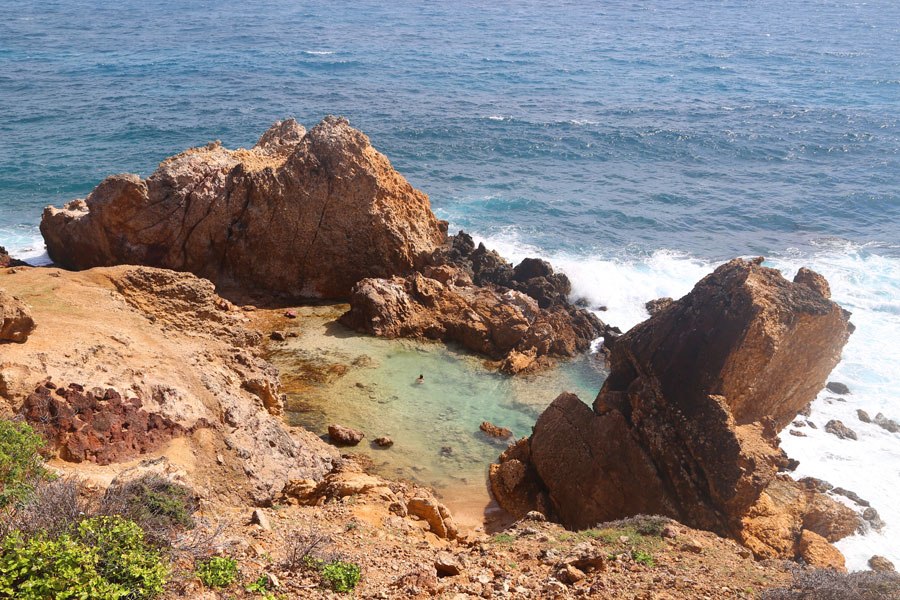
(342, 576)
(644, 558)
(105, 558)
(21, 465)
(158, 505)
(217, 571)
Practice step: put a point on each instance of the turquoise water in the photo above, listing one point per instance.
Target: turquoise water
(634, 144)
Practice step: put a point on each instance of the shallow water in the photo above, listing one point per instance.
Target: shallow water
(332, 375)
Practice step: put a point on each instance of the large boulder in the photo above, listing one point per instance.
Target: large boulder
(16, 323)
(685, 425)
(299, 215)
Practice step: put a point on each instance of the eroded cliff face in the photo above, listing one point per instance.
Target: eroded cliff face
(685, 424)
(300, 215)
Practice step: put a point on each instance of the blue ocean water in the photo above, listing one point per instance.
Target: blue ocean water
(635, 144)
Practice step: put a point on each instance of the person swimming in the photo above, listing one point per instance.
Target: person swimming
(421, 379)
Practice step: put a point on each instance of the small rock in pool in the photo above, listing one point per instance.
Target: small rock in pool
(345, 436)
(446, 451)
(495, 431)
(837, 428)
(837, 387)
(384, 442)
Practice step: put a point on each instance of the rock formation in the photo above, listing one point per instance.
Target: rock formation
(518, 315)
(301, 214)
(7, 261)
(685, 425)
(16, 323)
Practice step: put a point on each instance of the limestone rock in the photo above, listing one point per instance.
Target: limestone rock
(299, 215)
(16, 323)
(345, 436)
(685, 424)
(435, 514)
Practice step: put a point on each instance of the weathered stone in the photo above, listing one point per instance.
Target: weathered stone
(837, 387)
(299, 215)
(16, 323)
(863, 416)
(658, 305)
(495, 431)
(384, 442)
(344, 436)
(887, 424)
(439, 520)
(837, 428)
(881, 564)
(817, 552)
(259, 517)
(447, 565)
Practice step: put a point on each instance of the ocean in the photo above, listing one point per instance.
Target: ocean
(636, 145)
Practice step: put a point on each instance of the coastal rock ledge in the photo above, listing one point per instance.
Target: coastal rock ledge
(685, 425)
(300, 215)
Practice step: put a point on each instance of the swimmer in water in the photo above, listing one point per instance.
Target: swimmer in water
(421, 379)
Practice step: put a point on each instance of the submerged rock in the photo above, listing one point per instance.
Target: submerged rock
(16, 323)
(345, 436)
(301, 214)
(685, 424)
(495, 431)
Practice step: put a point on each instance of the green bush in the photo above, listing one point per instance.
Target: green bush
(217, 571)
(21, 465)
(644, 558)
(105, 558)
(342, 576)
(158, 505)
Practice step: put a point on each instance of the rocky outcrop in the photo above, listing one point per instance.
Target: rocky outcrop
(16, 323)
(98, 426)
(301, 214)
(345, 436)
(518, 315)
(7, 261)
(685, 425)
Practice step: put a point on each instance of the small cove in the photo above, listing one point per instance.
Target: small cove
(333, 375)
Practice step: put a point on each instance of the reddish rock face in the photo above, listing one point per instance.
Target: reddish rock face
(100, 427)
(16, 323)
(299, 215)
(685, 423)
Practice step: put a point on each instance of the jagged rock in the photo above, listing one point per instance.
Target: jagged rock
(887, 424)
(345, 436)
(871, 516)
(99, 427)
(658, 305)
(495, 431)
(837, 428)
(258, 517)
(434, 513)
(447, 565)
(880, 563)
(817, 552)
(813, 280)
(837, 387)
(863, 416)
(7, 261)
(299, 215)
(16, 323)
(796, 433)
(685, 424)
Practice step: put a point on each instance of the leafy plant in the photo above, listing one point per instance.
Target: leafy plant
(261, 587)
(644, 558)
(21, 465)
(503, 538)
(217, 571)
(157, 504)
(104, 558)
(342, 576)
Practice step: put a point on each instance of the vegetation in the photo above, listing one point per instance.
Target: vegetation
(342, 576)
(503, 538)
(103, 558)
(157, 504)
(644, 558)
(217, 571)
(825, 584)
(21, 465)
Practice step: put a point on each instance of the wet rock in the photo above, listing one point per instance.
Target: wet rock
(658, 305)
(495, 431)
(863, 416)
(796, 433)
(871, 516)
(814, 483)
(851, 495)
(302, 214)
(7, 261)
(881, 564)
(446, 451)
(814, 280)
(837, 387)
(384, 442)
(837, 428)
(278, 336)
(887, 424)
(344, 436)
(16, 323)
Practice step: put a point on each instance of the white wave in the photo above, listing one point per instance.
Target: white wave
(27, 246)
(862, 281)
(318, 52)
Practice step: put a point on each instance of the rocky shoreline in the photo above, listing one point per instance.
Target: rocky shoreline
(146, 358)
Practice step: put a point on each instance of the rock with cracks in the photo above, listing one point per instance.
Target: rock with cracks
(301, 214)
(685, 425)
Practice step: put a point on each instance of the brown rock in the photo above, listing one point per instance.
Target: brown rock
(569, 574)
(16, 323)
(300, 215)
(447, 565)
(887, 424)
(258, 517)
(813, 280)
(495, 431)
(837, 428)
(863, 416)
(434, 513)
(817, 552)
(384, 442)
(685, 424)
(344, 436)
(881, 564)
(837, 387)
(7, 261)
(658, 305)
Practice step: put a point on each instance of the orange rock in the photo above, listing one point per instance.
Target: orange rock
(817, 552)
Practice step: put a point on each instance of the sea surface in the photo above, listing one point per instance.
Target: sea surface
(637, 145)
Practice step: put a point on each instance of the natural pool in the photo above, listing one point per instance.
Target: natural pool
(333, 375)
